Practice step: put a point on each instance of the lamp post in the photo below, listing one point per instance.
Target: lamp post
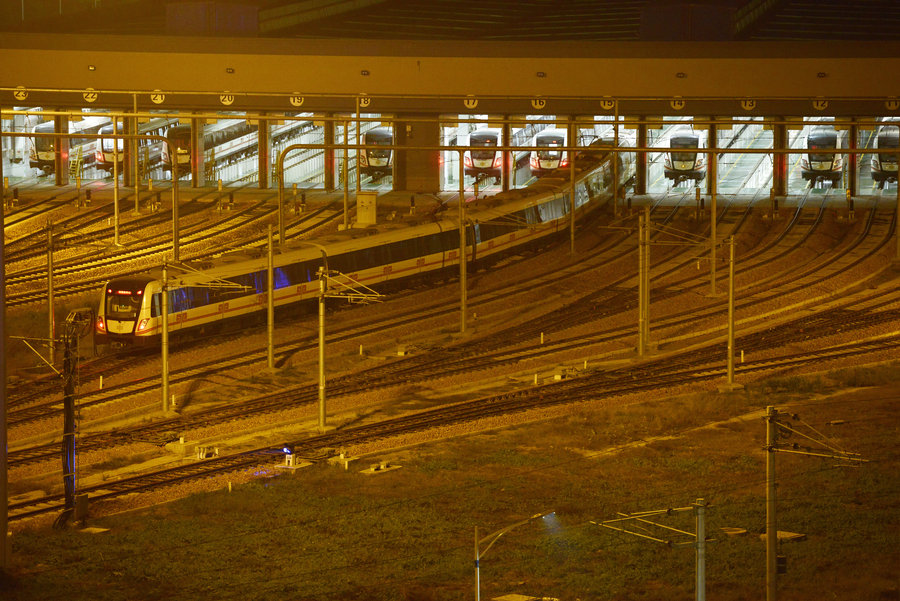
(490, 539)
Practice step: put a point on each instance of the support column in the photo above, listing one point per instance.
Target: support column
(640, 174)
(852, 183)
(61, 144)
(509, 166)
(712, 161)
(779, 160)
(264, 165)
(329, 154)
(129, 126)
(198, 162)
(417, 170)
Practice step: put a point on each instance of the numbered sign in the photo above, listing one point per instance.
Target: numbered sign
(748, 105)
(470, 102)
(364, 101)
(20, 93)
(297, 100)
(536, 103)
(820, 104)
(607, 105)
(677, 104)
(157, 97)
(226, 99)
(892, 105)
(90, 95)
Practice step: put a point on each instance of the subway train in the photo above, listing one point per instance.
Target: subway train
(546, 161)
(884, 166)
(44, 149)
(149, 150)
(203, 297)
(377, 162)
(684, 165)
(220, 140)
(817, 165)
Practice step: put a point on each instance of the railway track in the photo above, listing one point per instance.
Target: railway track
(591, 386)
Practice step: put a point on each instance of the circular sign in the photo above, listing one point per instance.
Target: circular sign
(470, 102)
(607, 105)
(226, 98)
(536, 103)
(364, 101)
(20, 93)
(892, 104)
(157, 97)
(677, 104)
(90, 95)
(820, 104)
(296, 100)
(748, 105)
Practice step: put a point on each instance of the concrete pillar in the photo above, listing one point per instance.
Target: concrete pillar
(329, 154)
(264, 165)
(61, 160)
(640, 174)
(129, 126)
(852, 183)
(509, 166)
(417, 170)
(198, 162)
(779, 161)
(712, 141)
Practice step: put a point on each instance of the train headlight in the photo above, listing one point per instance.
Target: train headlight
(143, 325)
(101, 325)
(498, 160)
(467, 160)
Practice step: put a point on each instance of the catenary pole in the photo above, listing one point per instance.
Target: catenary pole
(771, 522)
(5, 554)
(462, 245)
(51, 321)
(115, 180)
(322, 276)
(731, 311)
(270, 317)
(165, 338)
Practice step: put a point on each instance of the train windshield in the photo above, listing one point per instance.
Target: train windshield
(684, 142)
(550, 142)
(821, 140)
(124, 304)
(108, 142)
(487, 140)
(378, 139)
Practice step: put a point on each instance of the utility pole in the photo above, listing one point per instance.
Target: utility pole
(270, 317)
(165, 338)
(462, 245)
(698, 540)
(322, 289)
(50, 315)
(777, 428)
(5, 553)
(642, 317)
(70, 376)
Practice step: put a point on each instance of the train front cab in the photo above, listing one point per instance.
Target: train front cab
(822, 163)
(884, 166)
(179, 138)
(684, 165)
(546, 161)
(124, 311)
(487, 162)
(377, 162)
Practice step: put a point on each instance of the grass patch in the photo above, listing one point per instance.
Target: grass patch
(325, 533)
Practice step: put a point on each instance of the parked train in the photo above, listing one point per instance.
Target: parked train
(377, 162)
(884, 166)
(822, 163)
(130, 307)
(44, 149)
(684, 165)
(220, 140)
(545, 161)
(480, 163)
(149, 150)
